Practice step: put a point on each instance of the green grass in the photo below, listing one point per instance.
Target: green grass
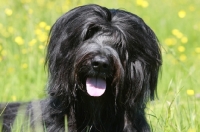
(24, 26)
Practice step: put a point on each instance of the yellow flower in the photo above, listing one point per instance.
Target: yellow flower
(192, 130)
(19, 40)
(14, 98)
(184, 40)
(11, 70)
(50, 4)
(10, 30)
(145, 4)
(42, 24)
(180, 35)
(170, 41)
(3, 52)
(32, 42)
(42, 37)
(190, 92)
(66, 5)
(183, 58)
(40, 2)
(47, 28)
(197, 50)
(38, 31)
(142, 3)
(181, 48)
(181, 13)
(177, 33)
(191, 8)
(41, 47)
(24, 66)
(8, 12)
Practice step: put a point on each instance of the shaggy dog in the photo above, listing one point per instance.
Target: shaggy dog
(103, 68)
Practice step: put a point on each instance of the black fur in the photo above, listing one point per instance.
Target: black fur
(93, 41)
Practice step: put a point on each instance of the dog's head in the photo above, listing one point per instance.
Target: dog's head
(99, 51)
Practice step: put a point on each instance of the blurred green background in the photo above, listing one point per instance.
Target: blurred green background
(24, 27)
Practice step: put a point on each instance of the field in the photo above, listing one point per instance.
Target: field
(24, 27)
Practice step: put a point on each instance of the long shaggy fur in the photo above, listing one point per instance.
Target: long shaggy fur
(95, 42)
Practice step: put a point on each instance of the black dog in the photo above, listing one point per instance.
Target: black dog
(103, 68)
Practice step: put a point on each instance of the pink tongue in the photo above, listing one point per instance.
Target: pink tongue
(95, 86)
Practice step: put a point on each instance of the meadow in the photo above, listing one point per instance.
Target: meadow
(24, 28)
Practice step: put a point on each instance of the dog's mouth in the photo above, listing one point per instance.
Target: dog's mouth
(95, 86)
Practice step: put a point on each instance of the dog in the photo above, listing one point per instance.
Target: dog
(103, 67)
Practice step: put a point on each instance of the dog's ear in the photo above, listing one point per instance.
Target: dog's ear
(152, 60)
(142, 56)
(144, 64)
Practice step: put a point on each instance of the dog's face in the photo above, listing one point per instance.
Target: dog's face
(97, 62)
(99, 51)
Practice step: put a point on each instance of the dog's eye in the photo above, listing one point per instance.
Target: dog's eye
(91, 31)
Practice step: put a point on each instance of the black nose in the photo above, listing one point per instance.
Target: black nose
(100, 63)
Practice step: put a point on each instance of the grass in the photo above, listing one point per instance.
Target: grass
(24, 26)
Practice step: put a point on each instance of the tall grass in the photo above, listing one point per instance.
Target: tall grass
(24, 26)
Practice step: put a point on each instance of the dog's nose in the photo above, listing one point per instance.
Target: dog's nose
(100, 63)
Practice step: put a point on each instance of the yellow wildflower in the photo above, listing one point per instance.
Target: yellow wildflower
(190, 92)
(41, 61)
(41, 47)
(42, 37)
(19, 40)
(183, 57)
(184, 40)
(24, 66)
(50, 4)
(32, 42)
(66, 5)
(181, 13)
(3, 52)
(47, 28)
(191, 8)
(11, 70)
(170, 41)
(14, 98)
(197, 50)
(142, 3)
(175, 31)
(40, 2)
(8, 12)
(38, 31)
(42, 24)
(181, 48)
(10, 30)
